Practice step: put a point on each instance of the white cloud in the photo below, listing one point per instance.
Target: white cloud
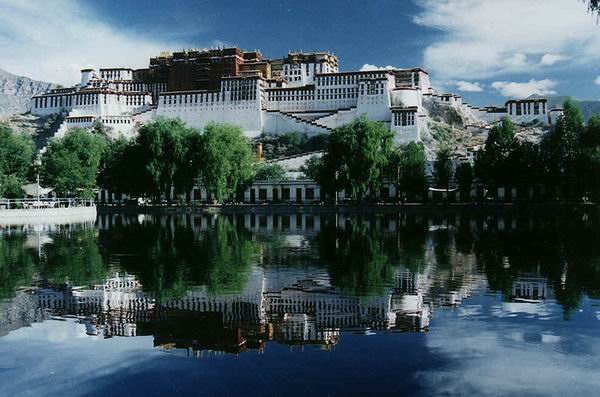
(551, 59)
(499, 358)
(467, 86)
(597, 81)
(54, 40)
(523, 90)
(483, 39)
(367, 67)
(518, 60)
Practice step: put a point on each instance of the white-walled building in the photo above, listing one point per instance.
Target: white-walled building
(303, 92)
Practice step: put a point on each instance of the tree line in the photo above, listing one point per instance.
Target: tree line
(564, 165)
(359, 158)
(166, 156)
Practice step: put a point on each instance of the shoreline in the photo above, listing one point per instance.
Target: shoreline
(342, 208)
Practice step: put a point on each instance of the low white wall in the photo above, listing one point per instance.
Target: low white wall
(47, 216)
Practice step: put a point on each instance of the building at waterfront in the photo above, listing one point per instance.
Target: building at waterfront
(302, 92)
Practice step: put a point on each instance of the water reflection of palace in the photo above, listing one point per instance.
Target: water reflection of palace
(305, 282)
(290, 308)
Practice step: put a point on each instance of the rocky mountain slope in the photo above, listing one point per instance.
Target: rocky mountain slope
(16, 92)
(460, 130)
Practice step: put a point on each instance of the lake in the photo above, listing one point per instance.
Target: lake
(303, 304)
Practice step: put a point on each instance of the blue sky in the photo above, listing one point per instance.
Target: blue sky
(486, 50)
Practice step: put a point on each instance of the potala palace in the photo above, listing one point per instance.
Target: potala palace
(303, 92)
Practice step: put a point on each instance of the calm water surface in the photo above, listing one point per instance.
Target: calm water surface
(303, 305)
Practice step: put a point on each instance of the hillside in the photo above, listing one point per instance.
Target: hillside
(16, 92)
(589, 108)
(460, 130)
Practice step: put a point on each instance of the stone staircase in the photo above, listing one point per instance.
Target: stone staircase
(338, 113)
(58, 131)
(143, 111)
(309, 122)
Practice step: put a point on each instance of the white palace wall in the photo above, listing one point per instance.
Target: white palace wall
(316, 102)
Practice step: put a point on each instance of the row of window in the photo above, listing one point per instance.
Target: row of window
(116, 121)
(237, 84)
(122, 86)
(52, 101)
(83, 119)
(115, 74)
(404, 119)
(83, 100)
(310, 97)
(345, 79)
(309, 194)
(178, 99)
(526, 108)
(296, 69)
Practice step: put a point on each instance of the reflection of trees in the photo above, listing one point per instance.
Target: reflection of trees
(74, 257)
(226, 255)
(169, 259)
(411, 239)
(464, 239)
(356, 257)
(563, 246)
(17, 264)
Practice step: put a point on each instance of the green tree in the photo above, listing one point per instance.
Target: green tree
(16, 159)
(591, 133)
(163, 147)
(356, 159)
(443, 168)
(310, 169)
(266, 172)
(11, 186)
(526, 166)
(591, 154)
(409, 162)
(563, 154)
(227, 160)
(464, 177)
(111, 174)
(71, 163)
(492, 167)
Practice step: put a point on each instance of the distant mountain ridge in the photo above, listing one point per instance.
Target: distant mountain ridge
(16, 92)
(589, 108)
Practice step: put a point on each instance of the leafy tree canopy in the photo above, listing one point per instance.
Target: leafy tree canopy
(312, 166)
(443, 167)
(227, 159)
(356, 158)
(71, 163)
(16, 152)
(493, 166)
(407, 169)
(162, 146)
(464, 177)
(266, 172)
(16, 159)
